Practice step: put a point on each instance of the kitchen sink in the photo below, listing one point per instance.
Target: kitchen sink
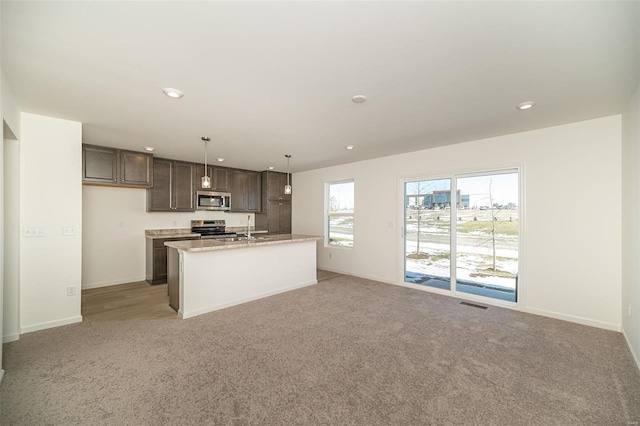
(232, 239)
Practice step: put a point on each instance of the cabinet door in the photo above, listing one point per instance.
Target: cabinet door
(274, 192)
(273, 217)
(160, 265)
(136, 169)
(220, 177)
(199, 172)
(253, 192)
(279, 217)
(160, 197)
(238, 190)
(275, 186)
(285, 217)
(99, 164)
(183, 187)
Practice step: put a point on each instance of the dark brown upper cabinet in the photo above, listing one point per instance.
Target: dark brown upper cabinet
(116, 167)
(275, 183)
(174, 188)
(219, 178)
(245, 191)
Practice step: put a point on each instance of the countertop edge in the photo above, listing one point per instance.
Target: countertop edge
(194, 246)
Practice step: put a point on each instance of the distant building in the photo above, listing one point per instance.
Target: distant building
(436, 199)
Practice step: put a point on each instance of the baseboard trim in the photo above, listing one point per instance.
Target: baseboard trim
(51, 324)
(1, 376)
(634, 355)
(185, 315)
(10, 337)
(110, 283)
(573, 318)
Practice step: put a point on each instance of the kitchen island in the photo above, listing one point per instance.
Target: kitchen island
(207, 275)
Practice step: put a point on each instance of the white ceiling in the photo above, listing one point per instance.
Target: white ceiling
(267, 78)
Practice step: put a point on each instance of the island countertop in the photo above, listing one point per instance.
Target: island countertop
(215, 244)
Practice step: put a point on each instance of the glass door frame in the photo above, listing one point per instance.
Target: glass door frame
(453, 235)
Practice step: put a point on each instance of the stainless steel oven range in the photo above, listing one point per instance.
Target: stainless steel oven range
(211, 229)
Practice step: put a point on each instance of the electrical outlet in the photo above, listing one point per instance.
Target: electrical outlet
(32, 232)
(68, 230)
(330, 255)
(71, 290)
(629, 311)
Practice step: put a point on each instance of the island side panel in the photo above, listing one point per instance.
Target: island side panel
(217, 279)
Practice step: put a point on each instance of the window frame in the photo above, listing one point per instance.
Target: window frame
(328, 215)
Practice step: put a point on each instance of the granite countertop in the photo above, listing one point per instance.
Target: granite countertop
(169, 233)
(186, 232)
(210, 245)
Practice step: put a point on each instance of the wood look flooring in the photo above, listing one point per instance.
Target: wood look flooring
(137, 301)
(131, 301)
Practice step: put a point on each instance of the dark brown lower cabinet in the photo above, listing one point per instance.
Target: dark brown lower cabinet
(276, 218)
(156, 261)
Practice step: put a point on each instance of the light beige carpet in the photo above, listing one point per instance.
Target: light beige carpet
(346, 351)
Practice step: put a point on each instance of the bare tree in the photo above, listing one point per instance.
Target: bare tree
(420, 191)
(492, 234)
(493, 225)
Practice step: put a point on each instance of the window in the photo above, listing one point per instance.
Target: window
(340, 213)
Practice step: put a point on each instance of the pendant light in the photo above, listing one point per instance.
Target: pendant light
(287, 188)
(206, 180)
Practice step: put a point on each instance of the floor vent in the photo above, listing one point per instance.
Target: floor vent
(474, 305)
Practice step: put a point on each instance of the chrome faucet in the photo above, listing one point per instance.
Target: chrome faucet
(249, 227)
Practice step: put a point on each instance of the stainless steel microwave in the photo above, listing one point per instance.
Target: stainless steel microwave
(209, 200)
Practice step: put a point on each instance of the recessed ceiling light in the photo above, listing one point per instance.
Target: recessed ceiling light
(173, 93)
(149, 148)
(270, 167)
(525, 105)
(349, 147)
(220, 159)
(358, 99)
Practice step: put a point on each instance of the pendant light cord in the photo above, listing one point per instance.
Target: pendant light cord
(205, 158)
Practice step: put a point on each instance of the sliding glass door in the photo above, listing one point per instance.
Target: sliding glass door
(478, 250)
(487, 234)
(427, 231)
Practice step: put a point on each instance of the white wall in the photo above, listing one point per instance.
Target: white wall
(570, 265)
(114, 222)
(11, 240)
(50, 198)
(11, 325)
(631, 224)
